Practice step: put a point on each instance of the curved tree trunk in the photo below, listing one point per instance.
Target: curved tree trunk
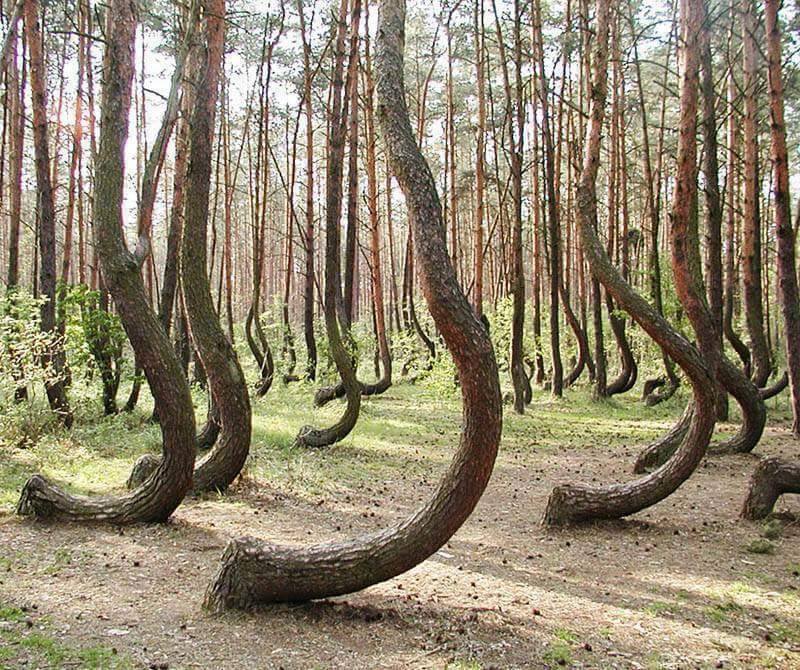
(308, 435)
(775, 388)
(569, 503)
(225, 378)
(376, 276)
(252, 572)
(261, 351)
(584, 356)
(754, 418)
(772, 478)
(163, 491)
(629, 372)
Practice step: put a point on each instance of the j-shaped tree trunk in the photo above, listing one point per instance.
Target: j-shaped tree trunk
(252, 572)
(54, 360)
(230, 404)
(572, 503)
(308, 435)
(226, 381)
(772, 478)
(754, 417)
(584, 355)
(629, 372)
(254, 332)
(787, 270)
(163, 491)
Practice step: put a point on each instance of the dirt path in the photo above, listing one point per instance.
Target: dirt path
(674, 587)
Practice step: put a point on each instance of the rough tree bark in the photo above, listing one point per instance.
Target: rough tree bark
(308, 435)
(787, 270)
(572, 503)
(226, 381)
(163, 491)
(252, 572)
(772, 478)
(54, 360)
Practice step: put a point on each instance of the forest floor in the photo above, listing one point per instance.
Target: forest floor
(685, 584)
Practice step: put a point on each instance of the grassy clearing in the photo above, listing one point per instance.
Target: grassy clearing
(410, 431)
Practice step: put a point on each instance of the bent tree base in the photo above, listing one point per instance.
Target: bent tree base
(772, 478)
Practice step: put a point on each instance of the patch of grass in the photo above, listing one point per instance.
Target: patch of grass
(558, 653)
(38, 648)
(102, 658)
(460, 664)
(11, 614)
(62, 557)
(787, 632)
(721, 611)
(772, 529)
(53, 651)
(658, 608)
(760, 546)
(565, 635)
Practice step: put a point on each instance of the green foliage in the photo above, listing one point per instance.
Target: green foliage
(722, 611)
(760, 546)
(558, 653)
(772, 529)
(91, 332)
(22, 346)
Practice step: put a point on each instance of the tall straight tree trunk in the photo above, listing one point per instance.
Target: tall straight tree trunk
(308, 280)
(713, 200)
(515, 125)
(787, 269)
(75, 158)
(553, 222)
(751, 243)
(252, 572)
(351, 233)
(480, 158)
(54, 360)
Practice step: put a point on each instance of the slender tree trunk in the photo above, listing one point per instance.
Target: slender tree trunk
(787, 269)
(309, 436)
(554, 225)
(54, 360)
(480, 157)
(751, 244)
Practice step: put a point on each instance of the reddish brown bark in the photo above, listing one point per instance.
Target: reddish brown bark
(252, 572)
